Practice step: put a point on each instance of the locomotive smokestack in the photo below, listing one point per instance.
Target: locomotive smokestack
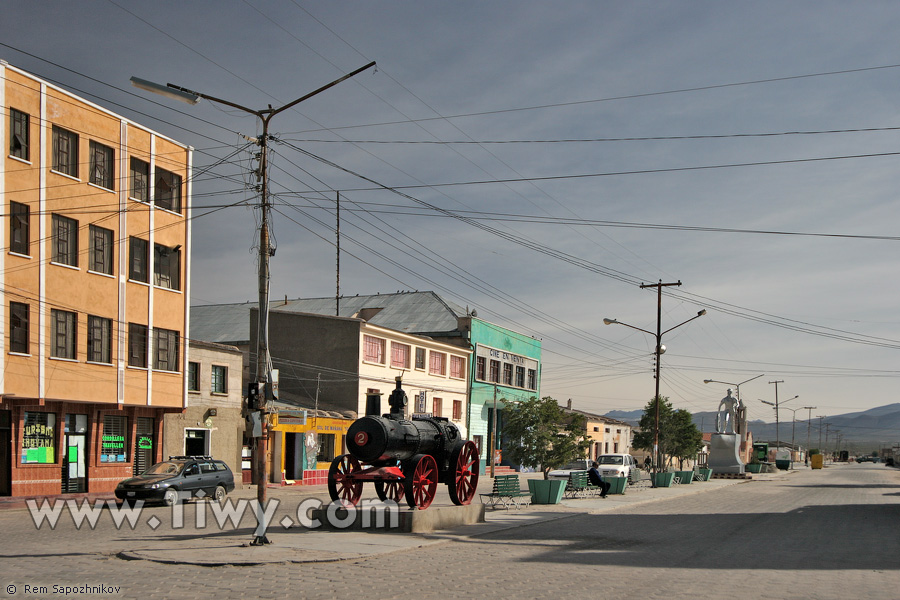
(398, 399)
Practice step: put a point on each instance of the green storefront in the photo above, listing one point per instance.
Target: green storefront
(505, 368)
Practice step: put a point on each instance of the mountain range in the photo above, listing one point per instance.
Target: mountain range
(870, 429)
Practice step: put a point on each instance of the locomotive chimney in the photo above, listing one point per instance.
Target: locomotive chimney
(570, 404)
(398, 400)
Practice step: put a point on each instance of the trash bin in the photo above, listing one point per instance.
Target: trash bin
(784, 465)
(817, 461)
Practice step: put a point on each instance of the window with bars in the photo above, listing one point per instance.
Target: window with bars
(140, 180)
(19, 228)
(101, 253)
(166, 267)
(373, 349)
(520, 377)
(18, 327)
(99, 343)
(167, 193)
(114, 441)
(457, 367)
(65, 151)
(137, 345)
(65, 241)
(63, 333)
(165, 356)
(532, 379)
(480, 368)
(138, 259)
(219, 383)
(193, 377)
(495, 371)
(19, 136)
(507, 374)
(101, 165)
(437, 364)
(399, 355)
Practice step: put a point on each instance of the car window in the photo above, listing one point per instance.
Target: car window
(207, 467)
(192, 470)
(165, 468)
(610, 460)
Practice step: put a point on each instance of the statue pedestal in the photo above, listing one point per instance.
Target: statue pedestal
(725, 453)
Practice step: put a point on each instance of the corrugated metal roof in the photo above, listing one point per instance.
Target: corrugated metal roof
(409, 312)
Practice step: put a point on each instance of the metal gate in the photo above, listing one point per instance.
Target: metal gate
(144, 446)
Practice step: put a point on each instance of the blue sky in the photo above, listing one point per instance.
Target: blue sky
(592, 113)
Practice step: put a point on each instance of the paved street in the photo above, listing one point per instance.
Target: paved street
(807, 534)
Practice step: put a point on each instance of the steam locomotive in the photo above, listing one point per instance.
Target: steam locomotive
(405, 459)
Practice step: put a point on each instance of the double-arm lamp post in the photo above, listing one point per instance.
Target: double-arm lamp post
(263, 362)
(660, 349)
(737, 386)
(794, 426)
(776, 404)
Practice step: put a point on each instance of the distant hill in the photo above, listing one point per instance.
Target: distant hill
(873, 428)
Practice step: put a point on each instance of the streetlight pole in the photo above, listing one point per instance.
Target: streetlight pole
(263, 360)
(736, 385)
(808, 428)
(659, 350)
(777, 424)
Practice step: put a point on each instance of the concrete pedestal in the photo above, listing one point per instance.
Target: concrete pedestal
(725, 453)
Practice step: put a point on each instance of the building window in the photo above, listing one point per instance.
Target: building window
(63, 333)
(101, 255)
(140, 180)
(480, 368)
(437, 363)
(495, 371)
(19, 226)
(99, 342)
(114, 444)
(39, 439)
(606, 448)
(479, 442)
(101, 165)
(437, 407)
(167, 267)
(507, 374)
(193, 377)
(457, 410)
(18, 327)
(137, 345)
(326, 447)
(138, 258)
(399, 355)
(373, 349)
(532, 379)
(596, 429)
(65, 151)
(18, 134)
(65, 241)
(457, 367)
(219, 383)
(167, 193)
(420, 359)
(165, 344)
(520, 377)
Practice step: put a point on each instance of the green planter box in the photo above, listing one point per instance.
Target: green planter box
(546, 491)
(753, 467)
(685, 476)
(617, 485)
(706, 474)
(662, 479)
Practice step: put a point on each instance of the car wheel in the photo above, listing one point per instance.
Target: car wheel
(170, 498)
(220, 494)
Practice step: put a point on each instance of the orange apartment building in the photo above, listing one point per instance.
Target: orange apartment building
(94, 278)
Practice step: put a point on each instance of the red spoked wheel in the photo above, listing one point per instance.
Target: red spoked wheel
(390, 489)
(421, 481)
(340, 486)
(466, 465)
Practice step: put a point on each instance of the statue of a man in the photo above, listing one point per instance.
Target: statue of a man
(728, 411)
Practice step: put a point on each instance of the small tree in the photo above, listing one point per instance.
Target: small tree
(540, 434)
(687, 440)
(645, 437)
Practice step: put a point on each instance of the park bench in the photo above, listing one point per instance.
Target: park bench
(579, 485)
(507, 492)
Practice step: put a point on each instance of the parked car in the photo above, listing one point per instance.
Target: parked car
(179, 477)
(619, 465)
(582, 464)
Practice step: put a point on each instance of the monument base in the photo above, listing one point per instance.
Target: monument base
(725, 453)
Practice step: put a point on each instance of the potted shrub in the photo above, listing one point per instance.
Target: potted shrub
(541, 435)
(662, 479)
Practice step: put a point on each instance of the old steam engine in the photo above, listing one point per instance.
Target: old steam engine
(404, 458)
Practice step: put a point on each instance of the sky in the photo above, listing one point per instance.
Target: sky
(538, 162)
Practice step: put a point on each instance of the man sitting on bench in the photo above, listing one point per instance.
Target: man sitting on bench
(597, 480)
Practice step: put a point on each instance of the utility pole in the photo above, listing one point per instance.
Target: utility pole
(337, 229)
(821, 447)
(809, 428)
(777, 430)
(263, 377)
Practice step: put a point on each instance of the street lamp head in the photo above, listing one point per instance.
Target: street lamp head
(167, 91)
(707, 381)
(767, 402)
(701, 313)
(609, 321)
(662, 349)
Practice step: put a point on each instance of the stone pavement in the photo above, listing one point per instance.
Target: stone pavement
(298, 544)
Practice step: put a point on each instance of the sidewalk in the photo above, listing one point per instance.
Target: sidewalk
(301, 545)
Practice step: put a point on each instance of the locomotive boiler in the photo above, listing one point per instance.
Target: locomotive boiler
(405, 459)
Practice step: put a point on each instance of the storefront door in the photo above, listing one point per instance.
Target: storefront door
(5, 453)
(74, 460)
